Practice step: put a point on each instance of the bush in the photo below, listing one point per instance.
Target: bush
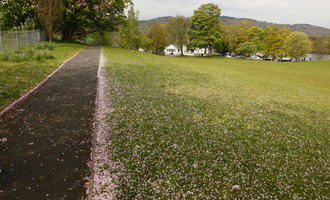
(45, 45)
(38, 52)
(47, 55)
(4, 57)
(98, 39)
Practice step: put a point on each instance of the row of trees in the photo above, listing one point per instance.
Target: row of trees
(321, 45)
(71, 18)
(204, 30)
(244, 38)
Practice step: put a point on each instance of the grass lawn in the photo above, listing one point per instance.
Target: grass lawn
(188, 127)
(18, 77)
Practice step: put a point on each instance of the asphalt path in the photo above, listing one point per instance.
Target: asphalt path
(48, 135)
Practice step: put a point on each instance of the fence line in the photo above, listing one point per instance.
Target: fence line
(10, 41)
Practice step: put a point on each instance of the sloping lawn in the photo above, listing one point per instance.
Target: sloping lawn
(18, 77)
(194, 127)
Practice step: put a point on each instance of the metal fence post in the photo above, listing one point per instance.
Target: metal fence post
(1, 44)
(17, 39)
(27, 38)
(38, 35)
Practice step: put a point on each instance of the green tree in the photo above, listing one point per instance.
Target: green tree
(18, 15)
(158, 36)
(85, 16)
(247, 48)
(222, 44)
(237, 34)
(320, 45)
(274, 40)
(326, 42)
(130, 36)
(80, 17)
(297, 45)
(146, 43)
(256, 35)
(177, 31)
(205, 27)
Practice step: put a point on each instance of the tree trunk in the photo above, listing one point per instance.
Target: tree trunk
(67, 33)
(210, 51)
(182, 51)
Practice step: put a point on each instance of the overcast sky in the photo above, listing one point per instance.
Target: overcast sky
(315, 12)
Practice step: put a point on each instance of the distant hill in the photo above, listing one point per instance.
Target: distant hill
(310, 30)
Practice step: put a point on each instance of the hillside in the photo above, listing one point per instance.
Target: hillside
(310, 30)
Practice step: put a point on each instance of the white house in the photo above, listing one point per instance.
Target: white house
(172, 50)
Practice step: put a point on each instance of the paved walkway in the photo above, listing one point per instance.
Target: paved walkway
(49, 135)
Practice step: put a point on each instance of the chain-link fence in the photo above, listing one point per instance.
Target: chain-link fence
(10, 41)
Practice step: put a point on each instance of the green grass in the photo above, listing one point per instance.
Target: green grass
(18, 77)
(189, 127)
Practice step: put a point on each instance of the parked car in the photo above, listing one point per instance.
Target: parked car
(255, 58)
(241, 57)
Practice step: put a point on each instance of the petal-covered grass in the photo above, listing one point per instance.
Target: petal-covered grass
(215, 128)
(16, 78)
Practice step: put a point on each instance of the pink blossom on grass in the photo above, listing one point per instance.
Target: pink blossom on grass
(235, 188)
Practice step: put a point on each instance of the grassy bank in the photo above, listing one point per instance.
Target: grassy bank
(19, 74)
(195, 127)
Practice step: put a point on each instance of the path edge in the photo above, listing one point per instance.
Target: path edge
(10, 106)
(90, 187)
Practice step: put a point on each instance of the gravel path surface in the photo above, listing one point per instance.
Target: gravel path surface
(46, 138)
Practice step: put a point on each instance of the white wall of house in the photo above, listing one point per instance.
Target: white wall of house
(172, 50)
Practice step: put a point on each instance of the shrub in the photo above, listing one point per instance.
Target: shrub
(98, 39)
(45, 45)
(47, 55)
(37, 52)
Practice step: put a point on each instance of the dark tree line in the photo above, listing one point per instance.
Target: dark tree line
(70, 18)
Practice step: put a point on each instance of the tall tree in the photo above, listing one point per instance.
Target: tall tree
(130, 36)
(80, 16)
(50, 12)
(237, 34)
(158, 36)
(177, 31)
(146, 43)
(274, 41)
(319, 45)
(205, 27)
(85, 16)
(297, 45)
(247, 48)
(256, 35)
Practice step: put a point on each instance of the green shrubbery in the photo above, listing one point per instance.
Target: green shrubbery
(38, 52)
(98, 39)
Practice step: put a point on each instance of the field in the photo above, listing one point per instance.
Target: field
(192, 128)
(18, 77)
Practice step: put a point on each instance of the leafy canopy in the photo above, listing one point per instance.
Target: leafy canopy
(297, 45)
(204, 27)
(247, 48)
(158, 36)
(18, 15)
(80, 17)
(274, 40)
(177, 31)
(130, 36)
